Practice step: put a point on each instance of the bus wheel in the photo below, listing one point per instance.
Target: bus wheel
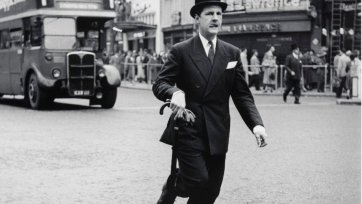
(109, 98)
(36, 97)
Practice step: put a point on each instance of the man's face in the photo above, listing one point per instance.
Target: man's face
(296, 51)
(209, 21)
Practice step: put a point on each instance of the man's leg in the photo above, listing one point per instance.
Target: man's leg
(296, 91)
(341, 86)
(216, 166)
(251, 81)
(193, 175)
(288, 88)
(257, 83)
(211, 173)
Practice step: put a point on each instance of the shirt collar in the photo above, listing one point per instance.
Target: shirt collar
(295, 56)
(205, 42)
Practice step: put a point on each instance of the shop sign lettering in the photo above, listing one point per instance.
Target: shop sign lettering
(266, 5)
(139, 35)
(6, 4)
(79, 5)
(351, 7)
(250, 28)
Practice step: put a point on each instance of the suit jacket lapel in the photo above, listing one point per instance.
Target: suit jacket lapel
(200, 59)
(220, 63)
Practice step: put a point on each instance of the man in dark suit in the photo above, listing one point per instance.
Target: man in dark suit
(206, 72)
(293, 65)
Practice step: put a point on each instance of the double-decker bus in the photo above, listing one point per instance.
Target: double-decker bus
(50, 49)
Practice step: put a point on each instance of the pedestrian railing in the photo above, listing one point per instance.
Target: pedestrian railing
(322, 72)
(326, 74)
(268, 75)
(131, 71)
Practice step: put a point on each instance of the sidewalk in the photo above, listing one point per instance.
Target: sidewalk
(279, 92)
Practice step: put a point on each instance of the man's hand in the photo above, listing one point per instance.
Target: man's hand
(292, 73)
(177, 101)
(178, 104)
(260, 135)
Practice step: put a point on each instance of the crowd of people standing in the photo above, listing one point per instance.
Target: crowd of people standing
(144, 65)
(141, 66)
(347, 65)
(262, 72)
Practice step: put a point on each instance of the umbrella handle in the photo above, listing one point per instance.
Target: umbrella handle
(166, 104)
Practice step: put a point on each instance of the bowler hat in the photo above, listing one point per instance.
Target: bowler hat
(200, 4)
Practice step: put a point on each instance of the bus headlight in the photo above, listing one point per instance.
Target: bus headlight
(48, 56)
(56, 73)
(101, 73)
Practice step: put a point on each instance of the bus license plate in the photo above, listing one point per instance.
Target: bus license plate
(81, 93)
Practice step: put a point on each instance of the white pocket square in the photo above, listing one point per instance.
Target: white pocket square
(231, 65)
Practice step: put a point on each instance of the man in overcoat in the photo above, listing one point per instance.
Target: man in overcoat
(206, 72)
(293, 66)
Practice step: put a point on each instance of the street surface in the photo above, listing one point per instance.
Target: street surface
(79, 154)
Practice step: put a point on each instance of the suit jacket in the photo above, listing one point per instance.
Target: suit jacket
(295, 65)
(207, 91)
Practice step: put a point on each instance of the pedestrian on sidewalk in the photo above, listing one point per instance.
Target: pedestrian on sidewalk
(293, 66)
(269, 66)
(267, 55)
(206, 72)
(254, 71)
(140, 77)
(342, 68)
(116, 60)
(129, 66)
(355, 72)
(145, 59)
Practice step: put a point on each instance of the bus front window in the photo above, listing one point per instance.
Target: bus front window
(59, 33)
(59, 42)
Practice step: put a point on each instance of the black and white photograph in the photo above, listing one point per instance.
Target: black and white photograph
(180, 101)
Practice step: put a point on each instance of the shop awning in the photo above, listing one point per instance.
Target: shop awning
(127, 26)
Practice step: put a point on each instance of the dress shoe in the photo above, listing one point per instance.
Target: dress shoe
(168, 194)
(296, 102)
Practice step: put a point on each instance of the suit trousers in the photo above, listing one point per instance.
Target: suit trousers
(295, 85)
(200, 176)
(254, 80)
(342, 84)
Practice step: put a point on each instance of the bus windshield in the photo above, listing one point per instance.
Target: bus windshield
(59, 26)
(59, 33)
(59, 42)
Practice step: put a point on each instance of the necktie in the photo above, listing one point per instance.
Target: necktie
(211, 53)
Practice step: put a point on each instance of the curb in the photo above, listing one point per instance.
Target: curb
(348, 101)
(142, 86)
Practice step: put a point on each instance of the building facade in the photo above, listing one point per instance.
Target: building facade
(136, 25)
(261, 24)
(251, 24)
(341, 20)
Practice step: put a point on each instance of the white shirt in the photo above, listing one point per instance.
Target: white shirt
(295, 56)
(205, 44)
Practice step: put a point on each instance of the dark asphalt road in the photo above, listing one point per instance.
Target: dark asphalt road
(79, 154)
